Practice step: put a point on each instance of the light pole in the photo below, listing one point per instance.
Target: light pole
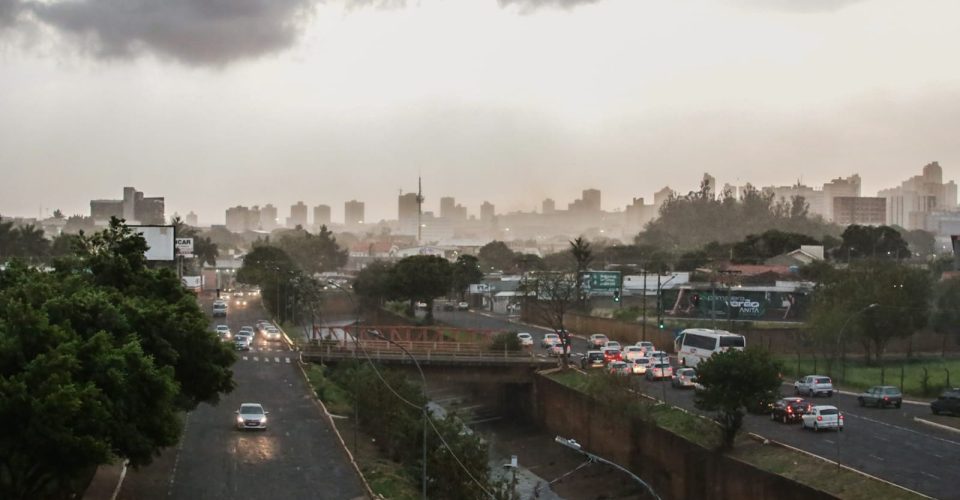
(423, 380)
(573, 445)
(843, 368)
(356, 346)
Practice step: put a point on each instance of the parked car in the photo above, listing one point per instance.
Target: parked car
(684, 378)
(598, 340)
(526, 340)
(822, 417)
(639, 365)
(610, 355)
(632, 352)
(812, 385)
(646, 346)
(659, 371)
(948, 402)
(251, 416)
(549, 339)
(881, 396)
(619, 368)
(463, 306)
(790, 409)
(593, 359)
(613, 344)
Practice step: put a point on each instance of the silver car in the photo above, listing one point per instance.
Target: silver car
(812, 385)
(684, 378)
(251, 416)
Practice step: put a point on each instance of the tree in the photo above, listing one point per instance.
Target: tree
(64, 245)
(583, 257)
(920, 242)
(447, 479)
(373, 283)
(755, 249)
(873, 242)
(945, 318)
(271, 269)
(57, 214)
(314, 253)
(466, 271)
(495, 256)
(528, 262)
(205, 251)
(7, 239)
(733, 381)
(552, 294)
(421, 278)
(29, 243)
(78, 223)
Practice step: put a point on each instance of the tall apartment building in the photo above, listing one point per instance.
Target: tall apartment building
(588, 202)
(192, 219)
(135, 208)
(487, 213)
(407, 213)
(449, 209)
(298, 216)
(321, 216)
(909, 204)
(353, 213)
(863, 211)
(840, 187)
(548, 206)
(238, 219)
(268, 218)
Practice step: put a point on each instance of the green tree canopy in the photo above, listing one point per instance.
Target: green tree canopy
(271, 269)
(872, 242)
(495, 256)
(756, 248)
(421, 278)
(314, 253)
(374, 284)
(466, 271)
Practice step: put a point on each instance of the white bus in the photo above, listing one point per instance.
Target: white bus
(696, 344)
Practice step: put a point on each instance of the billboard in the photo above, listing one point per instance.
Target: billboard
(184, 246)
(160, 241)
(600, 282)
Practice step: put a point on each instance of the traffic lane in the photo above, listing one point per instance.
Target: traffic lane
(919, 461)
(474, 320)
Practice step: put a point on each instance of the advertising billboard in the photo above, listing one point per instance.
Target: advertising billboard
(160, 241)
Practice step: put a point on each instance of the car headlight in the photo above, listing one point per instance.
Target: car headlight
(239, 419)
(263, 420)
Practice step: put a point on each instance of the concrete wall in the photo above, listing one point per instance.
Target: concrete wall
(675, 467)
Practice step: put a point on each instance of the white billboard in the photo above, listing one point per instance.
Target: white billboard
(184, 246)
(160, 240)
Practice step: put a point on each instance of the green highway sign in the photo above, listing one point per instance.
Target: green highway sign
(601, 281)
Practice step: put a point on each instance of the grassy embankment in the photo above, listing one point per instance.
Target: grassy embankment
(859, 376)
(817, 473)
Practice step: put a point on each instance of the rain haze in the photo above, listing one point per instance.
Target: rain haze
(214, 104)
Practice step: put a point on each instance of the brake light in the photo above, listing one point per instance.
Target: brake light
(789, 410)
(841, 417)
(885, 398)
(819, 418)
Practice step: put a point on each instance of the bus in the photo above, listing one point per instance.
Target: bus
(696, 344)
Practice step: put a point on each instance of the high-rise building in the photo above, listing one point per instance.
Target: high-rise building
(588, 202)
(449, 209)
(192, 219)
(487, 213)
(787, 194)
(863, 211)
(909, 204)
(839, 187)
(253, 219)
(408, 213)
(710, 182)
(268, 217)
(321, 215)
(298, 216)
(134, 208)
(548, 206)
(353, 213)
(238, 219)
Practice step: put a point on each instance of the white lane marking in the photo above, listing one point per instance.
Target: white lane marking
(903, 429)
(878, 438)
(244, 358)
(877, 458)
(288, 360)
(176, 458)
(256, 358)
(276, 359)
(938, 456)
(827, 440)
(930, 475)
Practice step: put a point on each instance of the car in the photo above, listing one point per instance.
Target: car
(790, 409)
(251, 416)
(822, 417)
(272, 333)
(639, 365)
(557, 350)
(219, 309)
(421, 305)
(659, 371)
(239, 301)
(613, 344)
(242, 342)
(223, 331)
(598, 340)
(525, 339)
(247, 329)
(463, 306)
(610, 355)
(659, 356)
(593, 359)
(646, 346)
(549, 339)
(632, 352)
(881, 396)
(684, 378)
(812, 385)
(619, 368)
(948, 402)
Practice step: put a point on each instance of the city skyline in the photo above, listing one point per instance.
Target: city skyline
(342, 100)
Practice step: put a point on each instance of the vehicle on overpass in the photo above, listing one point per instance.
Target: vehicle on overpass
(694, 345)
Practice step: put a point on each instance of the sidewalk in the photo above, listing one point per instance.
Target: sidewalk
(106, 482)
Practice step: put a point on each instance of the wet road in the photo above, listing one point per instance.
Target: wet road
(297, 457)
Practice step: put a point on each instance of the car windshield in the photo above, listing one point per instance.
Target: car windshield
(642, 361)
(823, 380)
(829, 411)
(251, 410)
(687, 372)
(595, 355)
(663, 366)
(891, 390)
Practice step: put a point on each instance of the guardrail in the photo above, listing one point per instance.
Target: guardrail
(331, 350)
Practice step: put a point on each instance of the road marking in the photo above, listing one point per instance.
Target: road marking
(930, 475)
(256, 358)
(938, 456)
(276, 359)
(288, 360)
(903, 429)
(827, 440)
(878, 438)
(244, 358)
(877, 458)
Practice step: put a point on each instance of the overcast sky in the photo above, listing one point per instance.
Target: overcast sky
(213, 103)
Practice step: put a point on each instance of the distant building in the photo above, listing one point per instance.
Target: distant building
(238, 219)
(449, 209)
(321, 215)
(407, 213)
(864, 211)
(836, 188)
(487, 213)
(786, 194)
(268, 218)
(298, 216)
(135, 208)
(710, 182)
(548, 206)
(589, 202)
(353, 213)
(909, 204)
(192, 219)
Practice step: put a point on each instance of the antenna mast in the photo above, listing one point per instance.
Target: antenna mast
(419, 208)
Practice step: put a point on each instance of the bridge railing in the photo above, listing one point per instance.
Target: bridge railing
(378, 349)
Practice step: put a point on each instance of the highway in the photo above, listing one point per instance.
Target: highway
(886, 443)
(297, 457)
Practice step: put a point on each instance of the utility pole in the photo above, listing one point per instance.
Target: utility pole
(644, 305)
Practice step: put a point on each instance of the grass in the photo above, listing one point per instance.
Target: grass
(859, 376)
(336, 399)
(820, 474)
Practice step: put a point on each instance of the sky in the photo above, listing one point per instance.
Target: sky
(214, 103)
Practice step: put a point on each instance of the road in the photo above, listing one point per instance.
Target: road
(886, 443)
(297, 457)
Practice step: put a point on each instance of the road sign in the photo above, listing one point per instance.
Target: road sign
(601, 281)
(184, 246)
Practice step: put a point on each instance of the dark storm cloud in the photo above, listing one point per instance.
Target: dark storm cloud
(528, 5)
(200, 32)
(9, 10)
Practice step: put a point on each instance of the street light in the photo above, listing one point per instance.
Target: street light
(574, 445)
(423, 380)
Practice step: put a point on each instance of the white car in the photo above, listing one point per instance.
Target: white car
(612, 344)
(550, 339)
(242, 342)
(822, 417)
(659, 371)
(251, 416)
(525, 339)
(659, 357)
(646, 346)
(639, 365)
(632, 352)
(223, 331)
(811, 385)
(272, 333)
(463, 306)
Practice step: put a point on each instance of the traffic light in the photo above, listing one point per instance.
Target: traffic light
(695, 299)
(660, 325)
(616, 295)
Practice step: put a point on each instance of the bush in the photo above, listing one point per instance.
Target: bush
(629, 314)
(506, 341)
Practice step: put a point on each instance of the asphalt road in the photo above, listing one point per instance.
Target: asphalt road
(887, 443)
(297, 457)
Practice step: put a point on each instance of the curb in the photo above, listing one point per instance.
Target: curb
(123, 475)
(936, 425)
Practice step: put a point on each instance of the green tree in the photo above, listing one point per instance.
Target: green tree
(755, 249)
(64, 245)
(374, 283)
(205, 251)
(314, 253)
(733, 381)
(945, 318)
(528, 262)
(583, 256)
(920, 242)
(466, 271)
(872, 242)
(271, 269)
(421, 278)
(30, 244)
(447, 479)
(7, 239)
(77, 224)
(495, 256)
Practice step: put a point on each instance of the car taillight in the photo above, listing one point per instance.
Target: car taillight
(885, 398)
(841, 417)
(819, 418)
(789, 410)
